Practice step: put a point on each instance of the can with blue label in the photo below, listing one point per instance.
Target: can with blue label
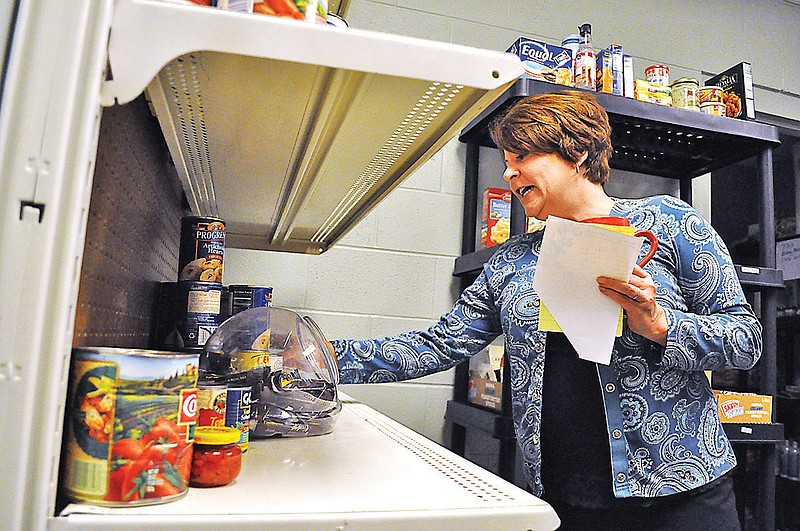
(244, 297)
(188, 314)
(237, 413)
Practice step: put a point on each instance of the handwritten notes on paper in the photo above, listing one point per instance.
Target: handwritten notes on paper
(572, 256)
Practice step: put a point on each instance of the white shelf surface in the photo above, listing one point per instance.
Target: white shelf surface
(369, 473)
(289, 131)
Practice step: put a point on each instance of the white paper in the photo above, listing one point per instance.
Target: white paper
(572, 256)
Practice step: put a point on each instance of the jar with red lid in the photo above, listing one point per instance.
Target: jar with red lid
(217, 457)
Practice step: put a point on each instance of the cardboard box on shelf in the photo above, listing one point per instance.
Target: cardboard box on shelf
(747, 408)
(543, 61)
(496, 217)
(737, 82)
(486, 378)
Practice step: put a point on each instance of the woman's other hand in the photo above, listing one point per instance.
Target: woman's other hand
(637, 297)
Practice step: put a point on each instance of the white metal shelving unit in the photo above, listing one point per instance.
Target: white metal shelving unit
(370, 473)
(292, 132)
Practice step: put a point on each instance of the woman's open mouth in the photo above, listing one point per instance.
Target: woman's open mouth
(522, 192)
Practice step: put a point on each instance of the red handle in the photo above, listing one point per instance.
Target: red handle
(653, 245)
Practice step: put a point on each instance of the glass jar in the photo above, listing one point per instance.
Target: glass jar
(217, 457)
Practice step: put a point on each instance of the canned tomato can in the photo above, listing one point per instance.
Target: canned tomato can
(709, 94)
(130, 425)
(245, 297)
(188, 314)
(202, 249)
(237, 413)
(714, 108)
(212, 403)
(657, 74)
(684, 94)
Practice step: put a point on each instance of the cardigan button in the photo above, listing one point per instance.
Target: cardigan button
(610, 387)
(616, 434)
(620, 477)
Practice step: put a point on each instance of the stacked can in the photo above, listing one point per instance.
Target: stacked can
(190, 310)
(245, 297)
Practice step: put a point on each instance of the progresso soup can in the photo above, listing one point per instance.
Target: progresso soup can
(130, 425)
(202, 250)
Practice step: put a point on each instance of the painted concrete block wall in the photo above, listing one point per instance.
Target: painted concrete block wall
(392, 272)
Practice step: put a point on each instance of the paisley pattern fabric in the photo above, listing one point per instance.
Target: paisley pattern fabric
(664, 433)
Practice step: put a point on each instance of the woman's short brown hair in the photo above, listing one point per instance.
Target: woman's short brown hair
(568, 123)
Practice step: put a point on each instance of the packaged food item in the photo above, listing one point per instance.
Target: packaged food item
(652, 92)
(543, 61)
(744, 407)
(737, 85)
(240, 6)
(237, 413)
(610, 66)
(217, 458)
(585, 61)
(572, 42)
(244, 297)
(130, 426)
(211, 404)
(188, 314)
(533, 224)
(714, 108)
(605, 72)
(628, 77)
(684, 94)
(496, 218)
(315, 11)
(202, 249)
(709, 93)
(658, 74)
(486, 378)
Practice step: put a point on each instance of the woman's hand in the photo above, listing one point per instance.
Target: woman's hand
(637, 297)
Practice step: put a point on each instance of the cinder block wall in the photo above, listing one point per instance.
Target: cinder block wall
(392, 272)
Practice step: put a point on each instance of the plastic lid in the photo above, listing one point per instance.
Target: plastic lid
(585, 29)
(216, 435)
(572, 38)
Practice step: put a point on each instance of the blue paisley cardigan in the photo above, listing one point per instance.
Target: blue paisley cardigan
(663, 429)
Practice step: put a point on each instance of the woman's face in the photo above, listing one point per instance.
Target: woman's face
(544, 183)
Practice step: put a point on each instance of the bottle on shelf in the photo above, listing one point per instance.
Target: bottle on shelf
(585, 64)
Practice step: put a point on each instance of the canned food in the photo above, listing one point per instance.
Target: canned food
(188, 314)
(237, 413)
(130, 426)
(684, 94)
(709, 93)
(714, 108)
(211, 405)
(246, 297)
(202, 250)
(657, 74)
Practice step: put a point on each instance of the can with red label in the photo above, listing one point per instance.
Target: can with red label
(211, 405)
(202, 250)
(237, 413)
(657, 74)
(130, 426)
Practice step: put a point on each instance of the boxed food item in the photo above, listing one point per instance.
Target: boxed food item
(533, 224)
(610, 66)
(652, 92)
(628, 77)
(543, 61)
(737, 84)
(485, 378)
(744, 407)
(496, 218)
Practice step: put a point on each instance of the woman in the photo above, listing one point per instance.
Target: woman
(636, 444)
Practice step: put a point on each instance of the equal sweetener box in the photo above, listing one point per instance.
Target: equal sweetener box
(748, 408)
(543, 61)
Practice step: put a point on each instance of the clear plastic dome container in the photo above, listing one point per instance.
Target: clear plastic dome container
(289, 364)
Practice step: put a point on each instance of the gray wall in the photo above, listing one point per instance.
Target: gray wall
(392, 272)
